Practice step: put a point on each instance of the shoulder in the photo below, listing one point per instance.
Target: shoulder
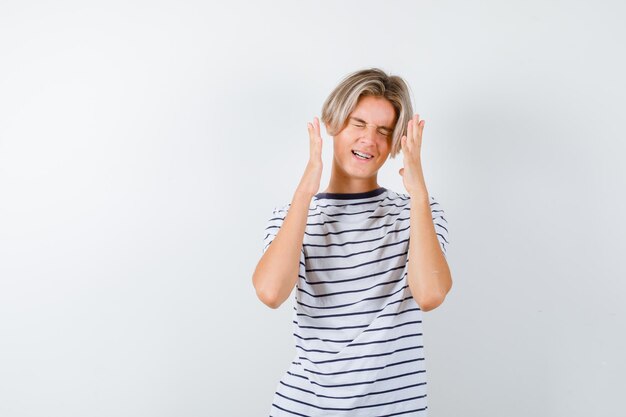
(279, 212)
(405, 198)
(282, 208)
(398, 198)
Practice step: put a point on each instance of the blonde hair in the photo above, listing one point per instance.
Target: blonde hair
(369, 82)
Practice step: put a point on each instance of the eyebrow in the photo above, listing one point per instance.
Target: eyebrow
(364, 122)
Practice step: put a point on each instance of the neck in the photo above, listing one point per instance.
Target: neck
(342, 182)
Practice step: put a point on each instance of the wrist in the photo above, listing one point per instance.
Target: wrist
(419, 196)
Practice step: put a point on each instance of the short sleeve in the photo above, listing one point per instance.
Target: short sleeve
(441, 224)
(273, 225)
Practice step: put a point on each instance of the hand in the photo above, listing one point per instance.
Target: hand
(310, 182)
(412, 176)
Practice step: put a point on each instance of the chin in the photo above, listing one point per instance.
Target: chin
(362, 174)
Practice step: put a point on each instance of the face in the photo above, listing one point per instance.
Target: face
(368, 130)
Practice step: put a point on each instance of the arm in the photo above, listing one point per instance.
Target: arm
(277, 271)
(428, 272)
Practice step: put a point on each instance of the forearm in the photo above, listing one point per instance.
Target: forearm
(277, 271)
(428, 272)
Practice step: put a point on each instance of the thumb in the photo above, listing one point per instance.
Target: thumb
(401, 172)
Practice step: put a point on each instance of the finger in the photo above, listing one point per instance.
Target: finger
(409, 134)
(317, 127)
(312, 136)
(313, 128)
(418, 139)
(311, 141)
(416, 123)
(315, 141)
(404, 145)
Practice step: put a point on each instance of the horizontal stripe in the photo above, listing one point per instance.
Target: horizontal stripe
(343, 268)
(385, 340)
(328, 294)
(279, 220)
(355, 396)
(350, 408)
(360, 230)
(350, 196)
(355, 326)
(354, 313)
(357, 213)
(354, 242)
(330, 328)
(357, 330)
(357, 302)
(359, 369)
(350, 340)
(335, 281)
(389, 214)
(358, 253)
(289, 411)
(401, 312)
(373, 355)
(362, 343)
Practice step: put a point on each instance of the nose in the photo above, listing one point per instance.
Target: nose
(369, 134)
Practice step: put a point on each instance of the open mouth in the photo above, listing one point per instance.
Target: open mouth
(362, 155)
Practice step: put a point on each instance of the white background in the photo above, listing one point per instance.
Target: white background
(143, 146)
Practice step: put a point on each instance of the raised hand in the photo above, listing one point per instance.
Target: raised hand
(412, 175)
(310, 182)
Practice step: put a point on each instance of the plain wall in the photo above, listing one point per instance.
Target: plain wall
(143, 146)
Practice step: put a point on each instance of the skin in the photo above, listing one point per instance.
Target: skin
(428, 274)
(428, 271)
(349, 175)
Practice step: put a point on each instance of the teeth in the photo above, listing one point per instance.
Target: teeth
(362, 155)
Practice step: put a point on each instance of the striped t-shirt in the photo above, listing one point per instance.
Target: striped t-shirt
(357, 329)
